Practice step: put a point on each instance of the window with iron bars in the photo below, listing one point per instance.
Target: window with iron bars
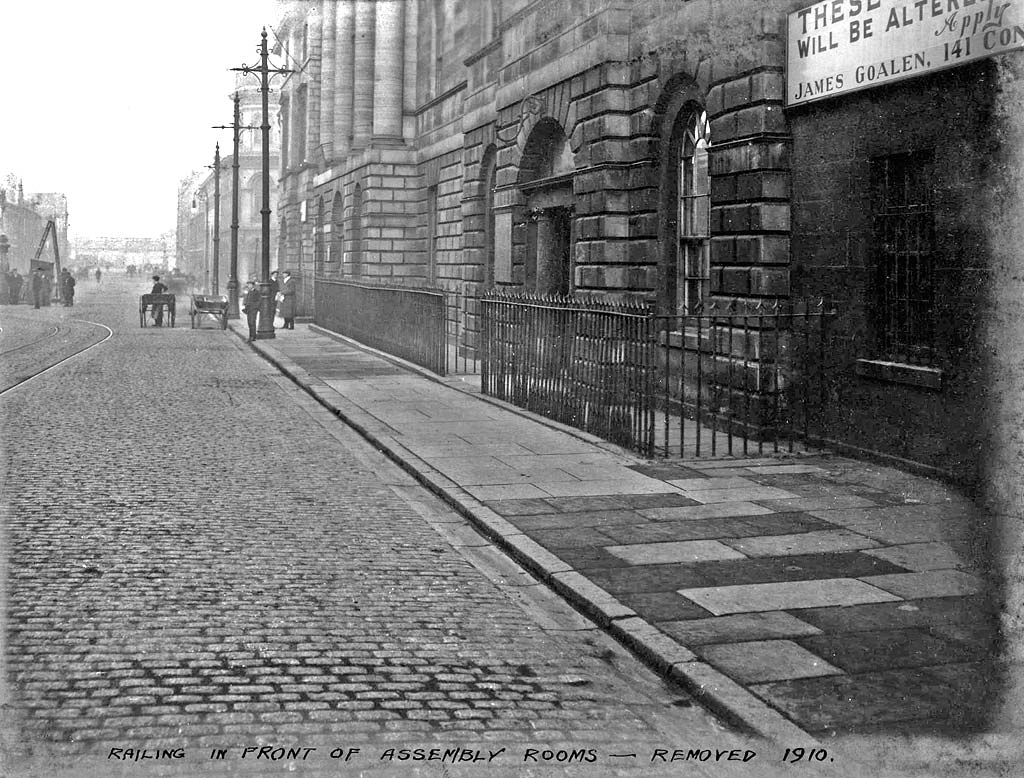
(694, 264)
(903, 295)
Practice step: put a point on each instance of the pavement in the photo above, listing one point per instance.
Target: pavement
(799, 596)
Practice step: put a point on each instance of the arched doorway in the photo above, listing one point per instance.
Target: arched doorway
(545, 177)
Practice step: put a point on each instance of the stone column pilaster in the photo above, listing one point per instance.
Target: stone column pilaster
(389, 62)
(344, 80)
(362, 97)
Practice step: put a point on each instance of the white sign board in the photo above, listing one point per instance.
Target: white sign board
(840, 46)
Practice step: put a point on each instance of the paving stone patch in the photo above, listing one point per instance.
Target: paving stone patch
(603, 486)
(787, 595)
(679, 551)
(794, 568)
(920, 557)
(638, 502)
(766, 660)
(738, 628)
(982, 638)
(933, 583)
(660, 606)
(819, 503)
(666, 472)
(822, 705)
(858, 652)
(712, 482)
(896, 531)
(575, 520)
(529, 507)
(648, 578)
(585, 504)
(823, 541)
(588, 557)
(785, 469)
(739, 494)
(899, 615)
(718, 510)
(573, 538)
(783, 524)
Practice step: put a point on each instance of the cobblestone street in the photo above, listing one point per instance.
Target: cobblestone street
(199, 556)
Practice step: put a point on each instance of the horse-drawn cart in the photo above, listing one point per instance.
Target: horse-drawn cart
(156, 304)
(214, 306)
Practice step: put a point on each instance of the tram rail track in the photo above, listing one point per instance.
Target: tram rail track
(54, 330)
(11, 378)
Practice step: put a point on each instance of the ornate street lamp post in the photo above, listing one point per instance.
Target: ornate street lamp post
(265, 328)
(236, 128)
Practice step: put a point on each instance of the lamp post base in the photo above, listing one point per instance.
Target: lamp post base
(233, 299)
(265, 325)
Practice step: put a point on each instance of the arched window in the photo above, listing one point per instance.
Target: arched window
(488, 169)
(356, 233)
(337, 245)
(545, 176)
(432, 236)
(318, 236)
(690, 140)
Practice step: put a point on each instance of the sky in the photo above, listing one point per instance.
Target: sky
(112, 101)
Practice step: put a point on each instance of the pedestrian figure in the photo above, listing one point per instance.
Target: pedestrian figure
(14, 286)
(274, 296)
(37, 286)
(68, 288)
(251, 306)
(47, 288)
(98, 274)
(158, 308)
(288, 300)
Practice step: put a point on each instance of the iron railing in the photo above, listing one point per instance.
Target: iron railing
(738, 377)
(583, 363)
(726, 380)
(406, 322)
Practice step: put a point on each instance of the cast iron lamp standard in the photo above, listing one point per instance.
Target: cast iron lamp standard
(265, 328)
(216, 220)
(235, 127)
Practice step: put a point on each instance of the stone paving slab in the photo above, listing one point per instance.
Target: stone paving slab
(785, 595)
(826, 541)
(685, 552)
(766, 660)
(828, 549)
(739, 627)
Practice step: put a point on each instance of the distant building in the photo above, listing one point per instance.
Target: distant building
(115, 252)
(23, 219)
(197, 202)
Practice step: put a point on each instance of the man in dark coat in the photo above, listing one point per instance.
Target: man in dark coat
(287, 305)
(38, 286)
(158, 308)
(14, 284)
(67, 287)
(47, 288)
(251, 307)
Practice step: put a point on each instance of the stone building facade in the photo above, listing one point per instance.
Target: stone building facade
(651, 151)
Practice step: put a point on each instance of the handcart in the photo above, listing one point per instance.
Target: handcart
(215, 306)
(156, 303)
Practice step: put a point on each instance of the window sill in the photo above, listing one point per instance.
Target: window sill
(899, 373)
